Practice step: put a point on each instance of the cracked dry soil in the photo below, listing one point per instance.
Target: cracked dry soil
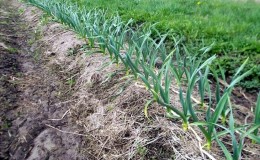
(30, 94)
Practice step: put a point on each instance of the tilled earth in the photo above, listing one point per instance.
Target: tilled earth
(30, 95)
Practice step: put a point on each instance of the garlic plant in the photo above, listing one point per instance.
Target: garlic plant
(147, 58)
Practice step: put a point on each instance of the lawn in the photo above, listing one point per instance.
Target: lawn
(233, 26)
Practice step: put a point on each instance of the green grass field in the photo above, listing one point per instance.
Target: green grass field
(234, 26)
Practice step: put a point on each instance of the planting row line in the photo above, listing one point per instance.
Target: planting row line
(149, 60)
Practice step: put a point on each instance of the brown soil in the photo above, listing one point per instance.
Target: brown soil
(30, 95)
(56, 103)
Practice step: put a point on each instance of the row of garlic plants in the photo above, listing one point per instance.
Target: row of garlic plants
(149, 60)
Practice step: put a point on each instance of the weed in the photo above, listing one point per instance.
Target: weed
(12, 50)
(142, 150)
(21, 11)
